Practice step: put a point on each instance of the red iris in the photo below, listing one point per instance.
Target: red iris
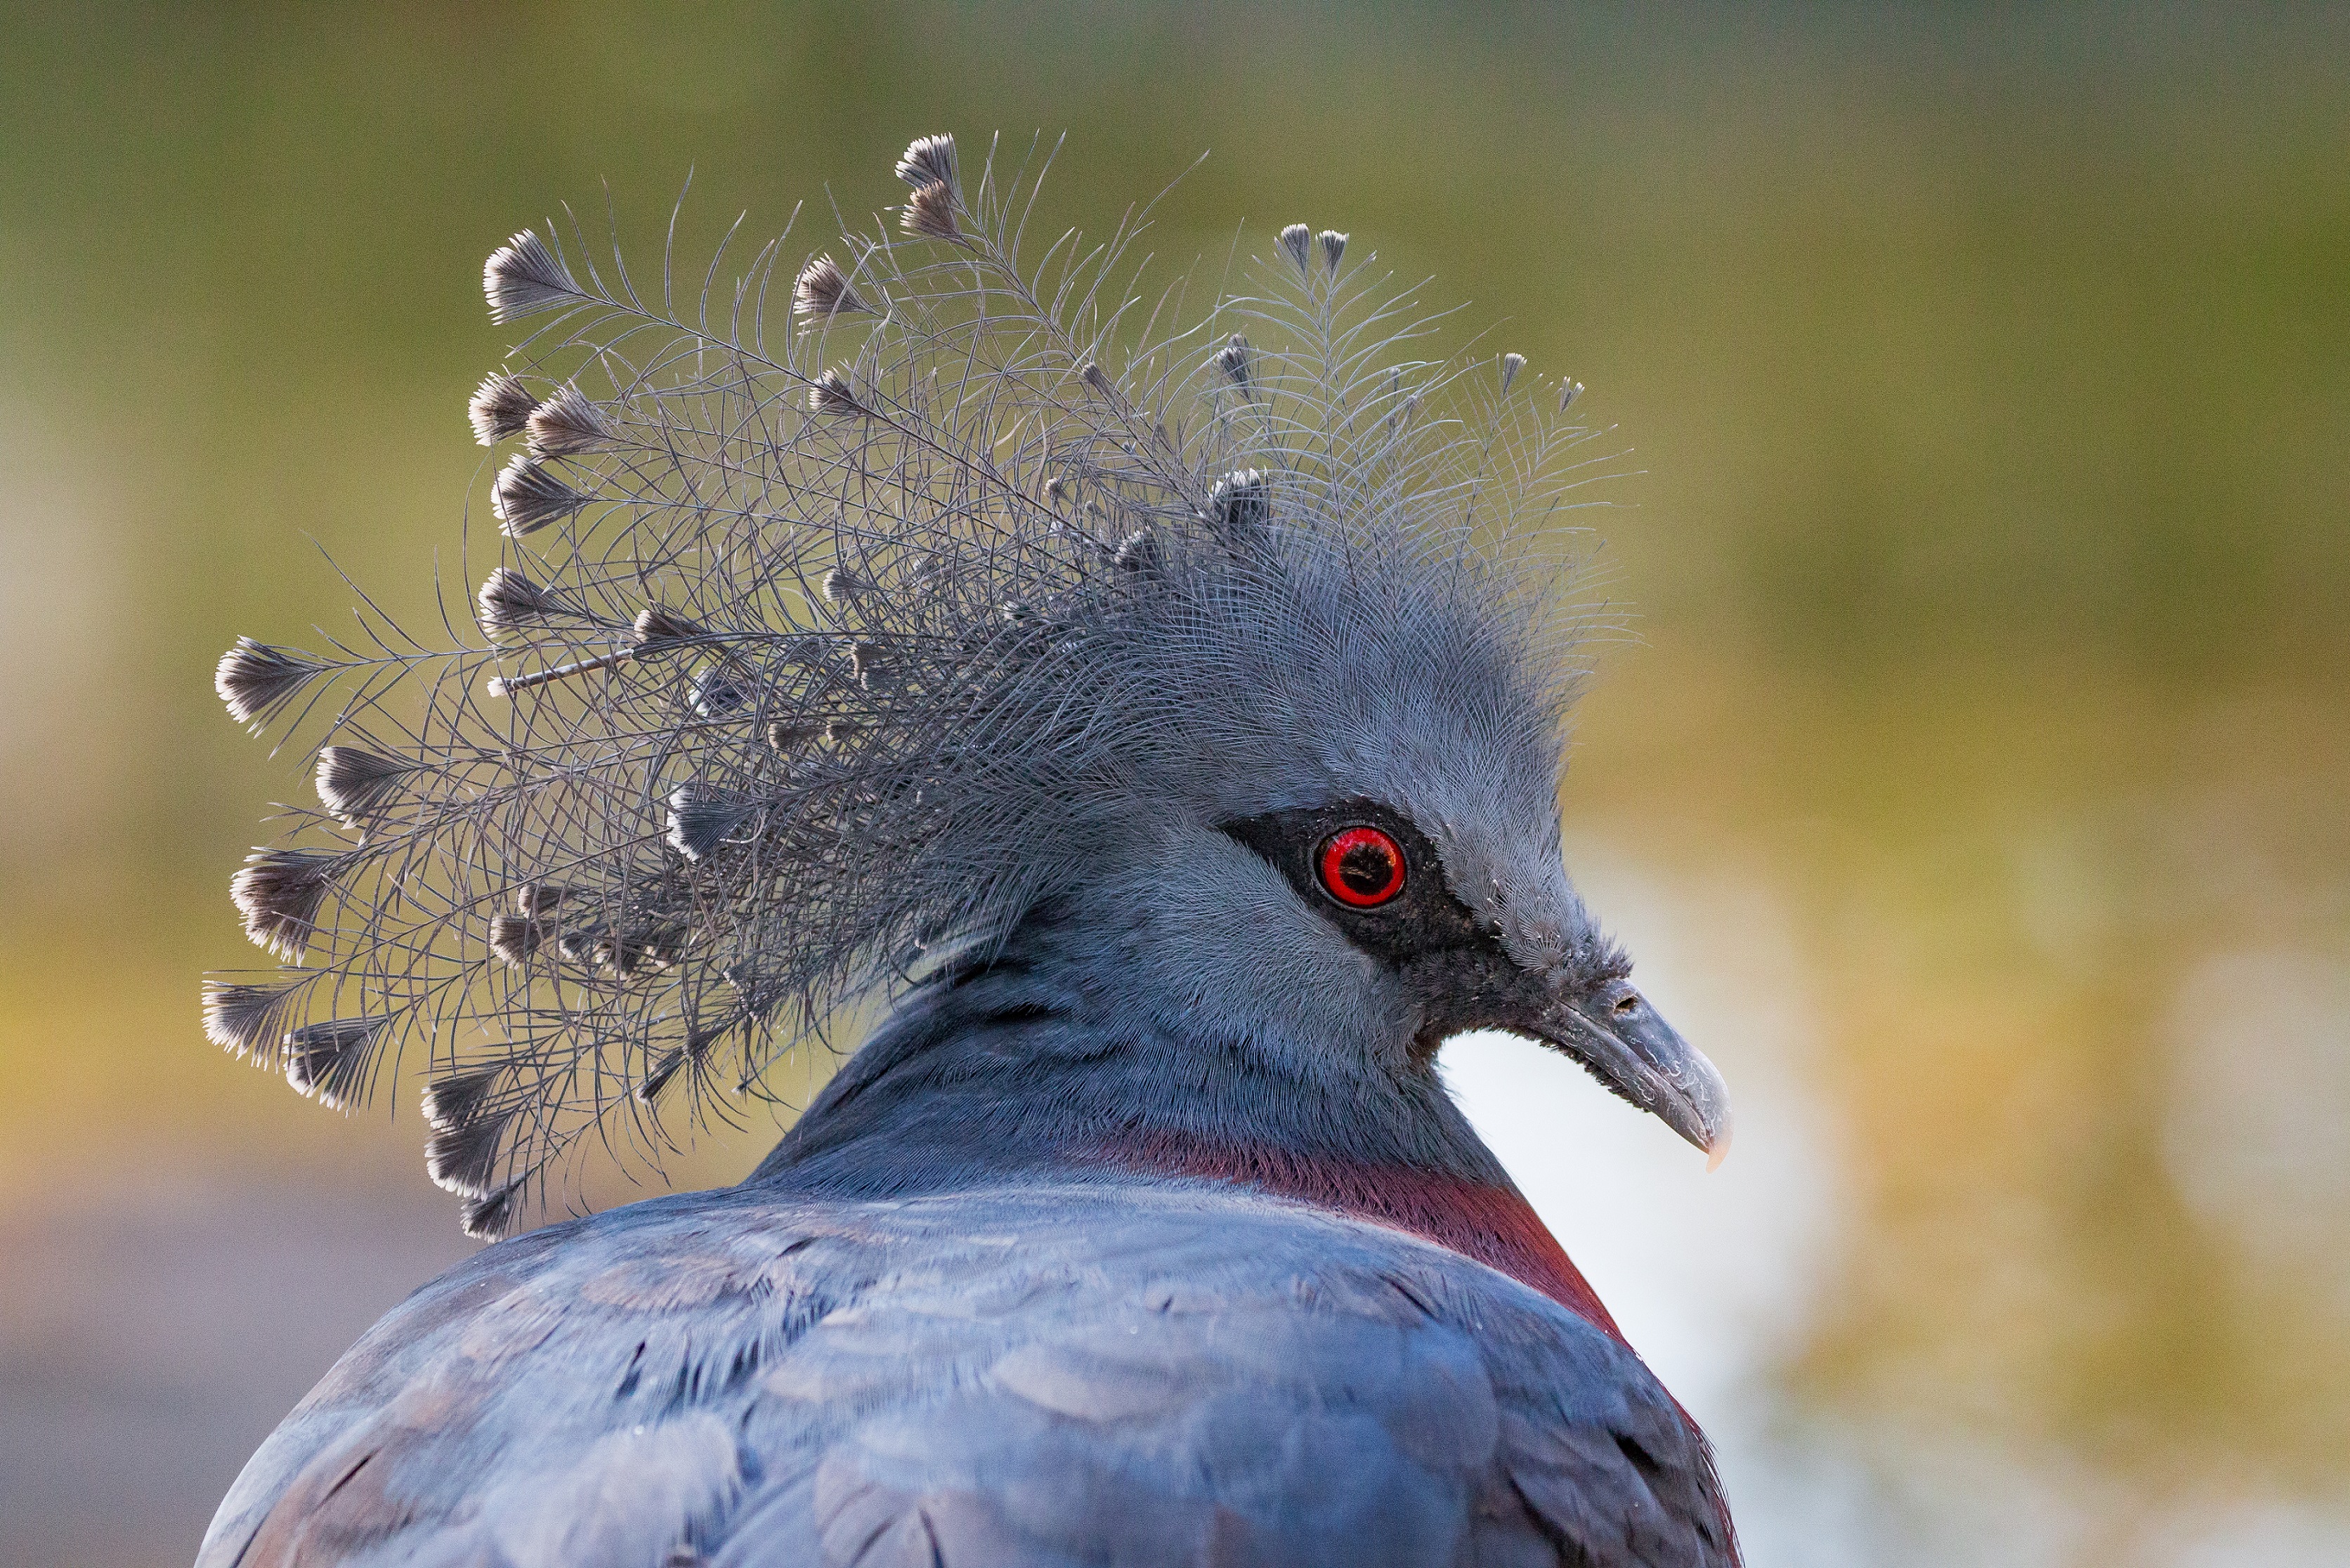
(1361, 866)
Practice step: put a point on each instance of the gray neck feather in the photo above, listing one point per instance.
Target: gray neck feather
(1030, 1064)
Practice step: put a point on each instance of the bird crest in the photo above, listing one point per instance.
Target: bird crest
(833, 621)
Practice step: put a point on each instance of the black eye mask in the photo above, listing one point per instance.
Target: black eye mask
(1420, 918)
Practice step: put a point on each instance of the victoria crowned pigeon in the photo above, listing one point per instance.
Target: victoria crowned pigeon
(1146, 720)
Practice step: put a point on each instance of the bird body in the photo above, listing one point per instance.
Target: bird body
(1113, 1371)
(894, 1346)
(1173, 751)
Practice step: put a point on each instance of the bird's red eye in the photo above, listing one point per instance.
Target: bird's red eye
(1360, 866)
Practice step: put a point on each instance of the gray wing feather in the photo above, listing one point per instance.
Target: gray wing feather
(1074, 1374)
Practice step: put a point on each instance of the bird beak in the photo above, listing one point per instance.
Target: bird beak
(1621, 1041)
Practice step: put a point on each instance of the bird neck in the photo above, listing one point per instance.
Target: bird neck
(1490, 1221)
(998, 1076)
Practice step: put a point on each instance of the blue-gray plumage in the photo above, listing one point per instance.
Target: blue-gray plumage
(1183, 790)
(1038, 1373)
(957, 1320)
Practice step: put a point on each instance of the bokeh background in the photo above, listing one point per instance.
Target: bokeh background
(1972, 785)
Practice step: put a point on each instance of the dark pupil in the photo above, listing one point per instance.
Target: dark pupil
(1365, 869)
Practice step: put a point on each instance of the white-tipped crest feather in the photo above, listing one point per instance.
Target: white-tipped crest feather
(523, 278)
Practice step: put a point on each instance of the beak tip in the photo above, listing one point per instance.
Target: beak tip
(1644, 1060)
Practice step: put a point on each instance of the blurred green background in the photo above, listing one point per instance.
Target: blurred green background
(1981, 756)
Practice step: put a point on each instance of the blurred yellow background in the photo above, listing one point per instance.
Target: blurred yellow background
(1974, 787)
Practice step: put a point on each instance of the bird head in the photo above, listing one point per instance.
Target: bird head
(944, 607)
(1340, 841)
